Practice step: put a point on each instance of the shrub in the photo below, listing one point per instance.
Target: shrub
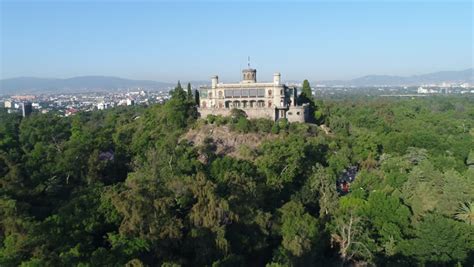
(242, 125)
(275, 128)
(211, 118)
(221, 120)
(262, 125)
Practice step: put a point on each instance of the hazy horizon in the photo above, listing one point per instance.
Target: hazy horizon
(165, 41)
(224, 79)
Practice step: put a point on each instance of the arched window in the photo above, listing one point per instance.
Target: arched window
(270, 92)
(269, 104)
(210, 94)
(204, 104)
(220, 94)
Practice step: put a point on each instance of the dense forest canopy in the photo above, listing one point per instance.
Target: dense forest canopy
(122, 187)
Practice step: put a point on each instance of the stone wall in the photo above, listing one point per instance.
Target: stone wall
(297, 114)
(252, 113)
(293, 114)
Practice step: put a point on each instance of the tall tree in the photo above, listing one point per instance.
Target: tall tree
(196, 97)
(440, 240)
(178, 92)
(299, 230)
(350, 234)
(306, 95)
(189, 93)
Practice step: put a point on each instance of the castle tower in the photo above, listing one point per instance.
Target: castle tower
(249, 76)
(214, 81)
(276, 78)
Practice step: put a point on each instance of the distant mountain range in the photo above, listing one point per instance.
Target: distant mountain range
(32, 85)
(464, 76)
(23, 85)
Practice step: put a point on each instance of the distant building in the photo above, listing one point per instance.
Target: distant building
(126, 102)
(464, 85)
(7, 104)
(23, 97)
(422, 90)
(26, 109)
(130, 102)
(272, 100)
(102, 106)
(70, 112)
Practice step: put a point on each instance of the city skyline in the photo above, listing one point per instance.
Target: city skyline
(171, 41)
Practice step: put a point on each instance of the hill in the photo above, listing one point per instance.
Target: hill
(75, 84)
(464, 76)
(225, 141)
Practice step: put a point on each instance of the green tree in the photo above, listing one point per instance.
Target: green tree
(322, 185)
(299, 229)
(190, 96)
(440, 240)
(242, 125)
(348, 232)
(306, 95)
(389, 217)
(196, 97)
(280, 160)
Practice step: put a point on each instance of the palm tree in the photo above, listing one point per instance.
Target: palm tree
(466, 213)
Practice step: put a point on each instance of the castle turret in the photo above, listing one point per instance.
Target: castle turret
(249, 76)
(276, 78)
(214, 81)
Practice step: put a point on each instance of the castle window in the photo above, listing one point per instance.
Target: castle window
(237, 93)
(289, 113)
(270, 92)
(252, 92)
(298, 113)
(204, 104)
(220, 94)
(210, 94)
(269, 104)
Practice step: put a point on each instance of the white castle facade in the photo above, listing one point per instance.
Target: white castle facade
(272, 100)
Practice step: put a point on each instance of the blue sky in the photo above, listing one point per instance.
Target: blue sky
(167, 41)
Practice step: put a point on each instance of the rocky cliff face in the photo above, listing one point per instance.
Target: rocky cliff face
(224, 141)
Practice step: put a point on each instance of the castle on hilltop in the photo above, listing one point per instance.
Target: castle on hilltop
(271, 100)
